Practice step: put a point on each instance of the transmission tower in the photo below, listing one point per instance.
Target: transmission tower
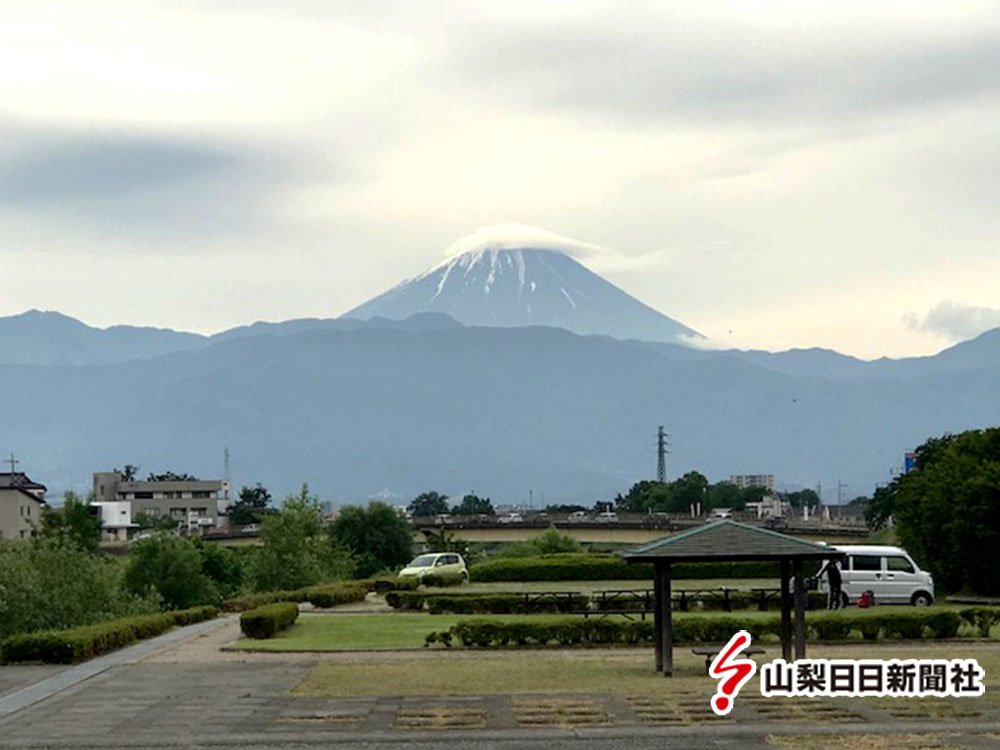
(661, 455)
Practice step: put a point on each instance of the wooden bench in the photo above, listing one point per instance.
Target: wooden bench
(710, 652)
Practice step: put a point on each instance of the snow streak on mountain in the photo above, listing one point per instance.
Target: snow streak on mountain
(522, 281)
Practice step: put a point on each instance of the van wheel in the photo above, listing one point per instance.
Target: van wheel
(844, 601)
(921, 599)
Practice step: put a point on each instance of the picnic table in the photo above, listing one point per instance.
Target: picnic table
(710, 652)
(626, 601)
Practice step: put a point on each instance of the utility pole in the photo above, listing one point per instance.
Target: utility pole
(841, 486)
(661, 455)
(13, 464)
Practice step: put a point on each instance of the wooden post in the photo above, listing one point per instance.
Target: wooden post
(667, 633)
(658, 615)
(786, 611)
(800, 609)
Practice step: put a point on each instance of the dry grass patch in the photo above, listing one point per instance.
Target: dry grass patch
(864, 742)
(507, 673)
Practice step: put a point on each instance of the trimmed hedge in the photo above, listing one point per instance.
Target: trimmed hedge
(586, 567)
(441, 580)
(392, 583)
(328, 595)
(502, 603)
(981, 618)
(269, 620)
(572, 631)
(88, 641)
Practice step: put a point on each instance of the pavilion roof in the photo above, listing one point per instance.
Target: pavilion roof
(723, 540)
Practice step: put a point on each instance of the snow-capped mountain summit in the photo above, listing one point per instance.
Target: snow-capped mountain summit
(520, 276)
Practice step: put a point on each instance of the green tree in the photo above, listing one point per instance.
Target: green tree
(76, 523)
(171, 567)
(155, 522)
(444, 540)
(50, 584)
(171, 476)
(802, 498)
(947, 510)
(880, 509)
(723, 495)
(129, 473)
(553, 541)
(473, 505)
(295, 551)
(689, 489)
(254, 504)
(429, 504)
(377, 536)
(221, 565)
(644, 496)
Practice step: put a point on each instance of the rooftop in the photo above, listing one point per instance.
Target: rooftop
(728, 540)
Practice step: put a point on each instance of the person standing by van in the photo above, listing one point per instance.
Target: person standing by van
(835, 599)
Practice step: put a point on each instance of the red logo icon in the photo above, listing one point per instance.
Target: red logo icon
(731, 672)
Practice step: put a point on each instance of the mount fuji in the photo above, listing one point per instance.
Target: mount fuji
(513, 276)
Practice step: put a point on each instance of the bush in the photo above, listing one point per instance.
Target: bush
(50, 585)
(85, 642)
(324, 596)
(572, 631)
(392, 583)
(269, 620)
(981, 618)
(500, 604)
(442, 580)
(584, 567)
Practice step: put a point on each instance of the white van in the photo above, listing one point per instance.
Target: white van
(888, 572)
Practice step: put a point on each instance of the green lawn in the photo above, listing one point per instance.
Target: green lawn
(361, 632)
(406, 630)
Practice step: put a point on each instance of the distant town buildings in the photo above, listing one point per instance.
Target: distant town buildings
(195, 502)
(753, 480)
(21, 503)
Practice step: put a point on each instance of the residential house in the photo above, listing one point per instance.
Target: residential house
(21, 504)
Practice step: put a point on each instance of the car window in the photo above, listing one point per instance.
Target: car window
(899, 564)
(451, 559)
(424, 561)
(866, 562)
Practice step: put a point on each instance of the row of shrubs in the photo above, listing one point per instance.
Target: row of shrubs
(324, 595)
(513, 603)
(88, 641)
(587, 567)
(696, 629)
(497, 604)
(268, 620)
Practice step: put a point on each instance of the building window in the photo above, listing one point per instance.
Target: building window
(143, 495)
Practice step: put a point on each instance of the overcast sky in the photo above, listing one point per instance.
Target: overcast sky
(771, 174)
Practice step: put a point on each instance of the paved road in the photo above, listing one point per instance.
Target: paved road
(183, 692)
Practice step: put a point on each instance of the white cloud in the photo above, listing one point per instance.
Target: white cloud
(955, 320)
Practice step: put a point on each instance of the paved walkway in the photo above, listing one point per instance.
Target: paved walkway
(179, 689)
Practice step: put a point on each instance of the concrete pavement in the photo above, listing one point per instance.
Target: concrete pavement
(183, 691)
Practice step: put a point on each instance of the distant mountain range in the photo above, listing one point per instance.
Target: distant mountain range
(503, 370)
(353, 408)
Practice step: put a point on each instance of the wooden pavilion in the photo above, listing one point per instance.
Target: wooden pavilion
(729, 541)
